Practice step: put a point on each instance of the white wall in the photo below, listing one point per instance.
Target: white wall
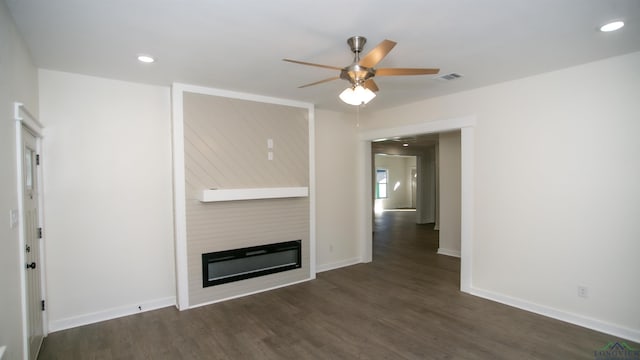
(108, 206)
(556, 189)
(18, 82)
(336, 179)
(398, 168)
(410, 163)
(449, 173)
(426, 207)
(122, 201)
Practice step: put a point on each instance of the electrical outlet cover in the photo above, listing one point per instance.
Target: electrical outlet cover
(583, 292)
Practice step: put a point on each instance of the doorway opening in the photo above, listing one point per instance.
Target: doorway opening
(435, 159)
(393, 182)
(466, 127)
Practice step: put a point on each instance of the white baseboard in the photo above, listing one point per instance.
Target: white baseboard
(590, 323)
(337, 264)
(62, 324)
(449, 252)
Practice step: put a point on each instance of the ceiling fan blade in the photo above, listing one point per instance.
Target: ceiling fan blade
(377, 53)
(312, 64)
(371, 85)
(405, 71)
(320, 82)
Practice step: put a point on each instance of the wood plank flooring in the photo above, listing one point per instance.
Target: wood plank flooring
(404, 305)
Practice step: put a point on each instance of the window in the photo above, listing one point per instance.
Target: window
(382, 179)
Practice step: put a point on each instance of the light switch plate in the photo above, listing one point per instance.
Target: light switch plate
(13, 218)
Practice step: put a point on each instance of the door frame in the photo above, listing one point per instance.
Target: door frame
(24, 119)
(413, 184)
(466, 126)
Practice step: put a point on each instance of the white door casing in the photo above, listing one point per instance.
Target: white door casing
(32, 244)
(31, 254)
(466, 126)
(413, 178)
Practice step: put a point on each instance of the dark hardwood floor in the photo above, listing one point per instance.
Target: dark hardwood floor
(404, 305)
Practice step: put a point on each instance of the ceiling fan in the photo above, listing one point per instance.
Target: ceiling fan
(361, 72)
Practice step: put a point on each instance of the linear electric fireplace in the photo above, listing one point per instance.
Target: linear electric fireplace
(238, 264)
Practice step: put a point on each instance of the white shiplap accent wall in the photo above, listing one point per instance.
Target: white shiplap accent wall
(237, 224)
(225, 147)
(226, 143)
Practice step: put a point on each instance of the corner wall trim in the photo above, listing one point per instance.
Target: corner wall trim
(109, 314)
(22, 114)
(449, 252)
(586, 322)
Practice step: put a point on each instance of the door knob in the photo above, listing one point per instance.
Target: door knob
(32, 265)
(28, 249)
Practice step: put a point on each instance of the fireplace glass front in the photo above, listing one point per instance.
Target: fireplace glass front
(238, 264)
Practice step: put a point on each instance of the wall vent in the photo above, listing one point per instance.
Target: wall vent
(449, 77)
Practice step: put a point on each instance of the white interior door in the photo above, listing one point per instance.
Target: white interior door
(35, 306)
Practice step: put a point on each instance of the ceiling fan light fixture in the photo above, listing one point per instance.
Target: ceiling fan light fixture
(612, 26)
(146, 59)
(357, 95)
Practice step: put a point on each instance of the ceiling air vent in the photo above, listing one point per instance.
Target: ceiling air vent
(449, 77)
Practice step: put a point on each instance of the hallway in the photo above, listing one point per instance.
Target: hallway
(398, 241)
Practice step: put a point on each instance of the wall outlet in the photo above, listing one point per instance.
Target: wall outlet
(583, 292)
(270, 155)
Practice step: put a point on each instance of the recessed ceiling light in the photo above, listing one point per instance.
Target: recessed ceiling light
(612, 26)
(405, 144)
(146, 59)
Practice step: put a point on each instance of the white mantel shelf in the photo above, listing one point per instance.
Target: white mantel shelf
(213, 195)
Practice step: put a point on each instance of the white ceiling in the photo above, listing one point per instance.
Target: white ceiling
(239, 45)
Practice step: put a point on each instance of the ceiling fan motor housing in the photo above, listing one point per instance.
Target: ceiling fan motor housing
(357, 74)
(356, 43)
(354, 73)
